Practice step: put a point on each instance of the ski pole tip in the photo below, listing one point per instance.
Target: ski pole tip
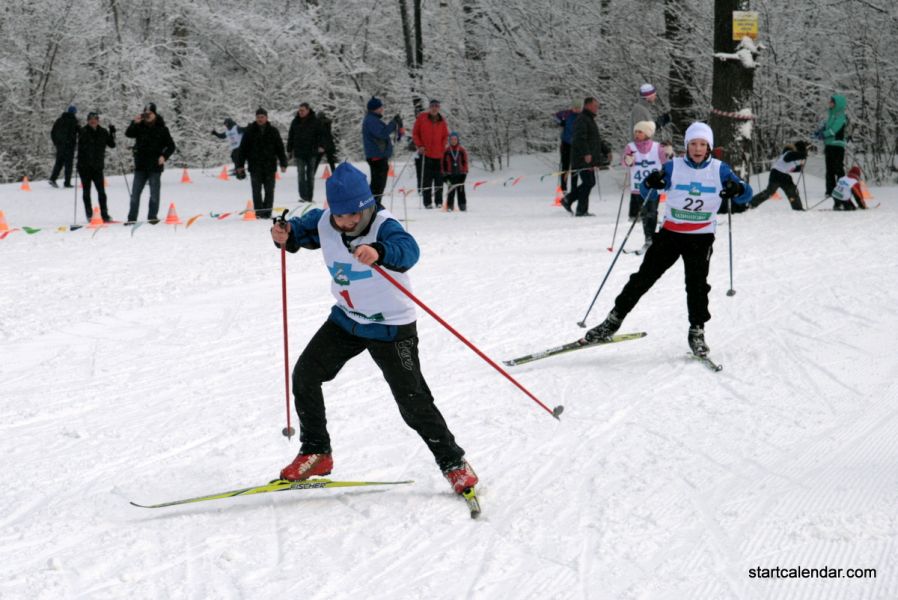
(581, 323)
(731, 292)
(610, 249)
(288, 432)
(556, 412)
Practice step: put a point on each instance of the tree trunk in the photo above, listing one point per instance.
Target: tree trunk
(681, 73)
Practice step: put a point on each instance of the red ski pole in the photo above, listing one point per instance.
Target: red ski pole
(288, 431)
(555, 412)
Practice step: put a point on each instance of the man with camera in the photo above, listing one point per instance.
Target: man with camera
(153, 146)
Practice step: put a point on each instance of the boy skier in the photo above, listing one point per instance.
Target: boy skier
(848, 187)
(790, 161)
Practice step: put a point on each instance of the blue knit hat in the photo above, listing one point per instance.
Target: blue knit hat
(348, 191)
(455, 135)
(72, 109)
(374, 103)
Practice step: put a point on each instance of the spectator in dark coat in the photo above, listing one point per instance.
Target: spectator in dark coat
(305, 142)
(65, 137)
(588, 150)
(455, 171)
(262, 148)
(153, 145)
(92, 143)
(565, 119)
(376, 138)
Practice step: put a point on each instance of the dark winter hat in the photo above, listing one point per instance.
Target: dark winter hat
(646, 90)
(72, 109)
(150, 107)
(348, 190)
(801, 146)
(261, 111)
(229, 122)
(93, 115)
(374, 103)
(434, 102)
(455, 135)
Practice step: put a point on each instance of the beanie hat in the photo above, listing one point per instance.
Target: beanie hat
(92, 115)
(577, 104)
(854, 172)
(646, 127)
(72, 109)
(699, 131)
(646, 90)
(454, 134)
(374, 103)
(348, 191)
(229, 122)
(434, 102)
(261, 111)
(150, 107)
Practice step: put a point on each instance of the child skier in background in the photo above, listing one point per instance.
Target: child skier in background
(455, 171)
(848, 187)
(643, 156)
(790, 161)
(696, 185)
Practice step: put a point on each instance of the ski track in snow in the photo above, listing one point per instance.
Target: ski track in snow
(150, 368)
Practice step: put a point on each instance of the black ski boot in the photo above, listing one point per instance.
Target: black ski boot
(604, 330)
(697, 340)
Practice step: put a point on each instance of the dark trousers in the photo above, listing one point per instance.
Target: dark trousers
(235, 158)
(667, 247)
(379, 169)
(419, 170)
(835, 166)
(565, 167)
(432, 177)
(262, 203)
(580, 191)
(92, 176)
(649, 211)
(329, 349)
(306, 166)
(457, 186)
(141, 178)
(779, 180)
(64, 158)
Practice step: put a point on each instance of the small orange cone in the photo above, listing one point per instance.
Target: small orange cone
(26, 187)
(327, 172)
(663, 198)
(4, 226)
(172, 218)
(391, 172)
(185, 176)
(776, 195)
(865, 193)
(224, 173)
(559, 196)
(277, 175)
(249, 214)
(96, 221)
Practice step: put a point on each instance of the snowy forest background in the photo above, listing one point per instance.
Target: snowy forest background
(500, 67)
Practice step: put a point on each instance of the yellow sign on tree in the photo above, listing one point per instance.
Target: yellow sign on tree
(745, 24)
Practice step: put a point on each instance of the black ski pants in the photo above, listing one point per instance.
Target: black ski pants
(65, 158)
(262, 203)
(380, 168)
(432, 177)
(779, 180)
(835, 166)
(329, 349)
(580, 191)
(93, 176)
(666, 248)
(565, 167)
(649, 211)
(456, 188)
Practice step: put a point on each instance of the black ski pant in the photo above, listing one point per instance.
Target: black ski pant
(432, 177)
(329, 349)
(580, 191)
(93, 176)
(306, 166)
(379, 170)
(835, 166)
(667, 247)
(456, 187)
(262, 203)
(649, 211)
(565, 167)
(65, 157)
(235, 158)
(778, 180)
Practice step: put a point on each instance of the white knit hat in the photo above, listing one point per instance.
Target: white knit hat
(646, 90)
(646, 127)
(699, 131)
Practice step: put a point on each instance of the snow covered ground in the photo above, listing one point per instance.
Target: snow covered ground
(149, 368)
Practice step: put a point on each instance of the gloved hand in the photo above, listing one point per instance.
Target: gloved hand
(240, 174)
(112, 130)
(398, 120)
(731, 189)
(655, 181)
(629, 160)
(213, 132)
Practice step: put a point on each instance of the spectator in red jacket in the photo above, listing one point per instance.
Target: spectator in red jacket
(455, 171)
(430, 135)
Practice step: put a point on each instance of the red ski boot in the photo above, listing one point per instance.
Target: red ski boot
(461, 477)
(308, 465)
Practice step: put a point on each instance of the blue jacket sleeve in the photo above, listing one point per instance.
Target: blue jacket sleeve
(399, 249)
(726, 174)
(667, 169)
(304, 231)
(379, 129)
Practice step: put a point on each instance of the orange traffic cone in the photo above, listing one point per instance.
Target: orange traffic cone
(4, 226)
(224, 173)
(391, 172)
(172, 217)
(277, 175)
(865, 193)
(185, 176)
(249, 214)
(662, 198)
(26, 187)
(327, 172)
(559, 196)
(96, 221)
(776, 195)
